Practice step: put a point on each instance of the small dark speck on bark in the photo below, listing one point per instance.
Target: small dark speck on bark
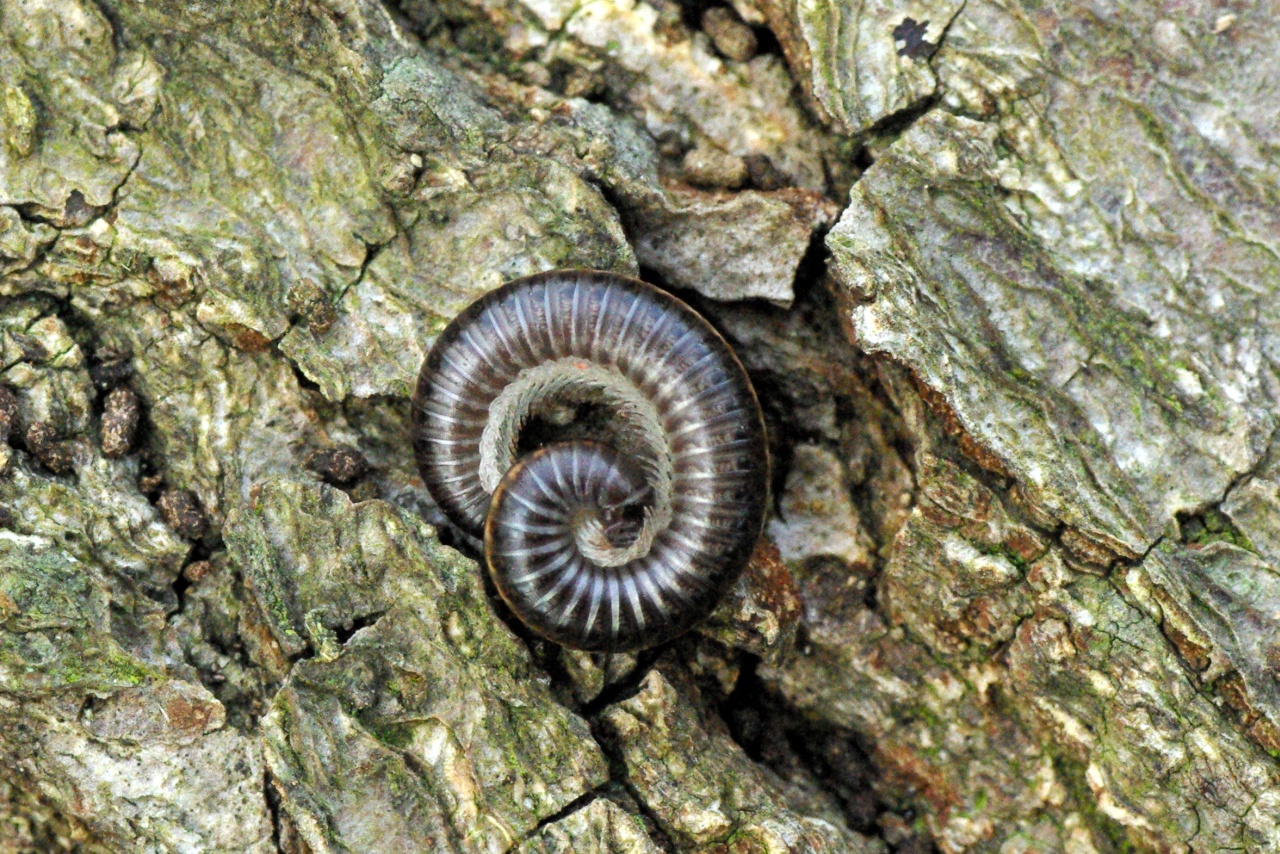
(909, 36)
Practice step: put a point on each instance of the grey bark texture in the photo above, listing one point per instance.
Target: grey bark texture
(1006, 274)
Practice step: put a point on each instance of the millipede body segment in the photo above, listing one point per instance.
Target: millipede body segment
(621, 541)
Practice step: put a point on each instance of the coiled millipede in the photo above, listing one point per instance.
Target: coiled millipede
(616, 544)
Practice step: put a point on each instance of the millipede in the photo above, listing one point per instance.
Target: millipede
(617, 541)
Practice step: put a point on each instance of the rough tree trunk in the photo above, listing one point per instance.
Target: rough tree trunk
(1007, 276)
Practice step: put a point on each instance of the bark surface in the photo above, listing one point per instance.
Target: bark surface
(1006, 276)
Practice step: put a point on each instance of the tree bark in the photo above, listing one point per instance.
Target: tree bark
(1007, 279)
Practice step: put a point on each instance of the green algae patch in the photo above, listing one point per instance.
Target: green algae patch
(55, 632)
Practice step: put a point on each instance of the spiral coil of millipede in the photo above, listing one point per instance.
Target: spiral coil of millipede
(614, 543)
